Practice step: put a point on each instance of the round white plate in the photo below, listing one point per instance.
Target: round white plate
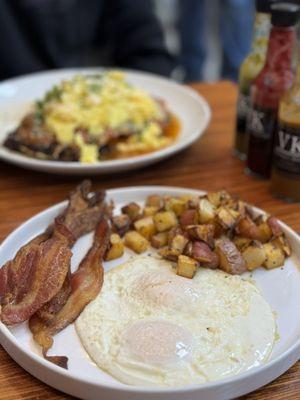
(17, 94)
(280, 288)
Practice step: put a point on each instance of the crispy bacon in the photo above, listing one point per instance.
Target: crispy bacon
(39, 272)
(49, 268)
(86, 283)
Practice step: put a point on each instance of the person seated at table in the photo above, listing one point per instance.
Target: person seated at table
(235, 20)
(46, 34)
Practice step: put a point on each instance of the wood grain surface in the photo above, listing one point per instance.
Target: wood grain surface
(207, 165)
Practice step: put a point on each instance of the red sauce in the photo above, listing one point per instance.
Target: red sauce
(275, 78)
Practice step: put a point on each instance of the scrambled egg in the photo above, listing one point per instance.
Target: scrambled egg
(99, 105)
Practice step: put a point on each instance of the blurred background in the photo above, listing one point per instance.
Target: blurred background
(190, 40)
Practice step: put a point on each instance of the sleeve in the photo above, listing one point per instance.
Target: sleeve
(137, 37)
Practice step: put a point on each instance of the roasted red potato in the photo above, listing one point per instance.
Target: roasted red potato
(188, 217)
(202, 232)
(116, 247)
(254, 255)
(231, 260)
(133, 211)
(121, 224)
(201, 252)
(186, 267)
(160, 240)
(247, 228)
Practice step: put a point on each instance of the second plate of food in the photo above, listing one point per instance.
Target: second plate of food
(96, 121)
(162, 327)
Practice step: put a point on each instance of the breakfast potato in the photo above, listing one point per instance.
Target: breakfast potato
(165, 220)
(188, 217)
(274, 226)
(178, 206)
(264, 229)
(226, 218)
(155, 200)
(149, 211)
(116, 248)
(186, 267)
(241, 242)
(214, 198)
(231, 260)
(247, 228)
(133, 211)
(206, 211)
(254, 255)
(202, 232)
(121, 224)
(169, 254)
(201, 252)
(178, 243)
(282, 244)
(160, 239)
(274, 256)
(145, 226)
(136, 242)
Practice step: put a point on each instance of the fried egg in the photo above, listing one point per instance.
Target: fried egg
(149, 326)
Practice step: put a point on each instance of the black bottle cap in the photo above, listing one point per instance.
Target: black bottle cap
(264, 6)
(285, 14)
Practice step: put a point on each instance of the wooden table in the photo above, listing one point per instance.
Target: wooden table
(208, 165)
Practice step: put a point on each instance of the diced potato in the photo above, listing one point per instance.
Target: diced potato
(121, 224)
(193, 203)
(178, 243)
(274, 256)
(206, 211)
(247, 228)
(202, 232)
(231, 260)
(145, 226)
(116, 248)
(241, 242)
(241, 208)
(165, 220)
(136, 242)
(133, 211)
(282, 244)
(178, 206)
(155, 200)
(274, 226)
(169, 254)
(201, 252)
(160, 240)
(189, 217)
(254, 255)
(226, 218)
(186, 266)
(149, 211)
(214, 198)
(265, 231)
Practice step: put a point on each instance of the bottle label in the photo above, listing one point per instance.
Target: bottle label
(287, 150)
(243, 105)
(261, 122)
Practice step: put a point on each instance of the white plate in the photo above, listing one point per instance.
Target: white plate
(280, 288)
(17, 94)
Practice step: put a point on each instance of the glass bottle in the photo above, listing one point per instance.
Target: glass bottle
(275, 78)
(249, 69)
(285, 176)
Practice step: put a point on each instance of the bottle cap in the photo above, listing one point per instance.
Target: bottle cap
(284, 14)
(264, 6)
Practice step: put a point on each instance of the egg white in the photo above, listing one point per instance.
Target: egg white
(150, 327)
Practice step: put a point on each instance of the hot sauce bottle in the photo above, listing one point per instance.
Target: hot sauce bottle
(275, 78)
(285, 177)
(249, 69)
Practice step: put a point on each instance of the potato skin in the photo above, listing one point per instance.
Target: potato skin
(201, 252)
(231, 260)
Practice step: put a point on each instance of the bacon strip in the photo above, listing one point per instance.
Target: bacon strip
(40, 270)
(86, 283)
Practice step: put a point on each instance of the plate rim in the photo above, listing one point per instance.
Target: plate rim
(233, 380)
(75, 166)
